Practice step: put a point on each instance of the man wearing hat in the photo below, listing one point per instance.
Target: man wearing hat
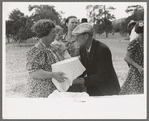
(101, 78)
(83, 20)
(131, 27)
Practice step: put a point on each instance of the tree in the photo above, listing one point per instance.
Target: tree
(44, 12)
(18, 21)
(101, 17)
(15, 15)
(137, 14)
(133, 8)
(9, 29)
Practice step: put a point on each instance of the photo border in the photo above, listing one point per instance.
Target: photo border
(73, 1)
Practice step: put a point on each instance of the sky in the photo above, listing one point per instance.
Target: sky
(69, 8)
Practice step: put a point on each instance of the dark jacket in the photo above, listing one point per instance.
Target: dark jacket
(101, 77)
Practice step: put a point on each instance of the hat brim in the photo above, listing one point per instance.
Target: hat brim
(76, 33)
(131, 24)
(81, 33)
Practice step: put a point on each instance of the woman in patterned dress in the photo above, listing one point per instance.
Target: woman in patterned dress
(69, 41)
(39, 60)
(134, 57)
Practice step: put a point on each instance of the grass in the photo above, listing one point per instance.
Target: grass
(16, 74)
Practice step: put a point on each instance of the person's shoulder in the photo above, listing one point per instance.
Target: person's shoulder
(36, 49)
(102, 47)
(100, 44)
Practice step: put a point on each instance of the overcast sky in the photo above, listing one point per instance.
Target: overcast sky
(69, 8)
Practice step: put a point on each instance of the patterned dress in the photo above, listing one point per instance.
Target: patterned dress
(40, 57)
(134, 83)
(73, 51)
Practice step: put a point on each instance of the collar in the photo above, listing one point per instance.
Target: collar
(64, 36)
(43, 45)
(88, 50)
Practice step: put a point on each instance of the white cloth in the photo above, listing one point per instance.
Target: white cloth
(133, 34)
(57, 94)
(72, 68)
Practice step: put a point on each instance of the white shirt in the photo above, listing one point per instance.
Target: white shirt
(88, 50)
(133, 34)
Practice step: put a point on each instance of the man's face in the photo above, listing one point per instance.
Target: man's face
(81, 39)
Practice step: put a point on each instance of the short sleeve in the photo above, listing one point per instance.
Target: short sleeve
(35, 61)
(133, 45)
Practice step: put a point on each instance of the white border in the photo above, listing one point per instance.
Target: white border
(45, 108)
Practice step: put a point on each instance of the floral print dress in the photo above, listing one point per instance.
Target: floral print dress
(134, 83)
(40, 57)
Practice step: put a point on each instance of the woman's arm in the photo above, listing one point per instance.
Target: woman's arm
(130, 61)
(41, 74)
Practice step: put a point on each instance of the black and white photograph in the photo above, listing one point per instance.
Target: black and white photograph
(74, 60)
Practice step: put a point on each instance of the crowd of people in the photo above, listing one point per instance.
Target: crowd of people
(99, 78)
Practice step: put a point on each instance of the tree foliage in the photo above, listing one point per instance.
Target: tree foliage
(15, 15)
(19, 26)
(44, 12)
(133, 8)
(120, 25)
(137, 13)
(100, 15)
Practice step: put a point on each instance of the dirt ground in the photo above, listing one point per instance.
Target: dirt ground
(16, 73)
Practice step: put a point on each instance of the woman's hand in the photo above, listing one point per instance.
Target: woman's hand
(59, 76)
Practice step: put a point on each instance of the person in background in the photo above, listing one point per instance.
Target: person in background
(39, 60)
(131, 28)
(100, 77)
(83, 20)
(134, 83)
(68, 39)
(61, 49)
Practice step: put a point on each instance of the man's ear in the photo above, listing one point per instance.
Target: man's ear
(86, 36)
(67, 24)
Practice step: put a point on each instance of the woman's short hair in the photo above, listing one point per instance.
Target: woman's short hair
(139, 28)
(67, 20)
(43, 27)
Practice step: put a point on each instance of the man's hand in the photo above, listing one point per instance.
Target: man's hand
(79, 81)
